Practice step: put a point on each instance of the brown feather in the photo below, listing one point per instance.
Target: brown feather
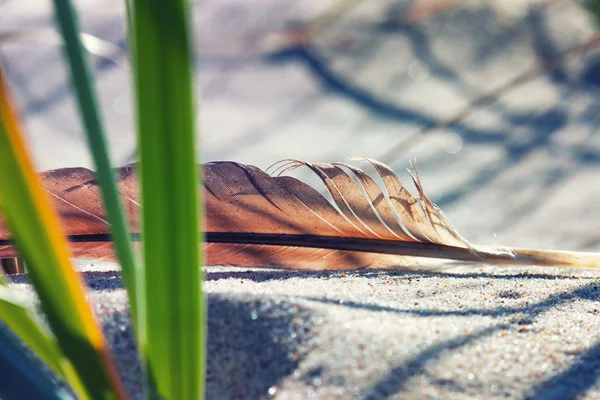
(257, 220)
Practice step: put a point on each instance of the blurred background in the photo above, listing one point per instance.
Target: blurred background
(497, 100)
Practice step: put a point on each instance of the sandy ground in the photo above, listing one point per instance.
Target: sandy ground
(476, 332)
(520, 170)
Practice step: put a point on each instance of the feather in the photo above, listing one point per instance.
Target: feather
(254, 219)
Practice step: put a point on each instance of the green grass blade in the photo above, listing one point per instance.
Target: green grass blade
(129, 16)
(21, 321)
(21, 377)
(23, 324)
(593, 8)
(93, 44)
(170, 205)
(37, 234)
(90, 113)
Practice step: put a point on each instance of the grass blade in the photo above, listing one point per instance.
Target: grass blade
(21, 321)
(93, 44)
(170, 205)
(21, 377)
(90, 112)
(37, 234)
(23, 324)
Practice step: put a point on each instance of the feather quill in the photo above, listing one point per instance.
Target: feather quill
(254, 219)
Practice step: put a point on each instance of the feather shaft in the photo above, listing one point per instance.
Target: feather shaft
(257, 220)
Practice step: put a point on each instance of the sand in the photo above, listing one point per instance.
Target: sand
(471, 332)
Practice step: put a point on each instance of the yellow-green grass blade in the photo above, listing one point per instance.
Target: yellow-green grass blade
(89, 110)
(21, 376)
(39, 239)
(175, 305)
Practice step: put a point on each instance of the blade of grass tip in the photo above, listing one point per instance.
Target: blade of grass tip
(175, 306)
(21, 377)
(90, 112)
(29, 216)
